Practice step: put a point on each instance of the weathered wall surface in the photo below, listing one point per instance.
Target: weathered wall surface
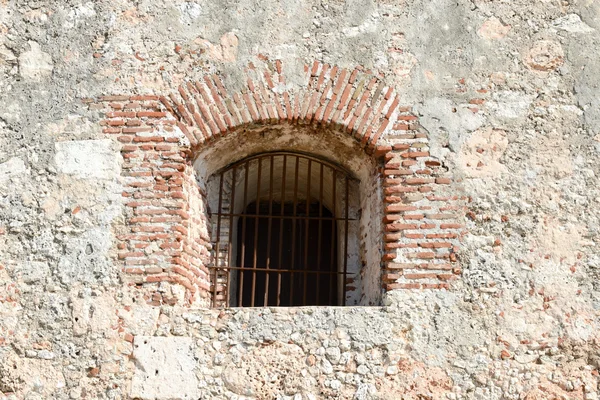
(509, 95)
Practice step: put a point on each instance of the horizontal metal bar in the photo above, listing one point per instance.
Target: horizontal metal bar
(285, 217)
(283, 270)
(299, 155)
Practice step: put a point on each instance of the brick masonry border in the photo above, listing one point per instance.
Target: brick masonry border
(166, 235)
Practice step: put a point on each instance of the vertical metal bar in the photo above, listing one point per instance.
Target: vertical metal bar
(266, 299)
(332, 266)
(346, 241)
(284, 169)
(295, 200)
(230, 246)
(217, 245)
(256, 219)
(306, 220)
(243, 255)
(319, 234)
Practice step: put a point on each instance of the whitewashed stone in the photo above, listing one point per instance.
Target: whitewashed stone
(362, 369)
(92, 314)
(164, 368)
(85, 258)
(35, 65)
(235, 383)
(526, 358)
(35, 271)
(326, 367)
(572, 23)
(447, 123)
(510, 105)
(87, 159)
(333, 354)
(11, 168)
(391, 370)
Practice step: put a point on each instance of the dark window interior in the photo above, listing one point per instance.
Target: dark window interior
(294, 251)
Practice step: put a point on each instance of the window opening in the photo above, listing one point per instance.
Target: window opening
(281, 232)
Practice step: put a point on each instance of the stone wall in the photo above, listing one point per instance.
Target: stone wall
(496, 102)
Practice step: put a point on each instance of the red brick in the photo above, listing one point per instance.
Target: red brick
(435, 245)
(398, 172)
(420, 276)
(450, 226)
(399, 189)
(441, 216)
(418, 181)
(380, 151)
(423, 255)
(114, 98)
(113, 122)
(435, 286)
(144, 97)
(392, 237)
(116, 106)
(399, 227)
(394, 286)
(391, 277)
(407, 117)
(402, 126)
(151, 114)
(427, 226)
(401, 266)
(123, 114)
(399, 208)
(138, 139)
(415, 154)
(413, 216)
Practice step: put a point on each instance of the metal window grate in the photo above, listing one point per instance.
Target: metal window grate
(281, 234)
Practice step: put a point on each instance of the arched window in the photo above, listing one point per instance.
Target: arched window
(283, 229)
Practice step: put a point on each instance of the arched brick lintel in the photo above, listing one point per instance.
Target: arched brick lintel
(165, 205)
(356, 102)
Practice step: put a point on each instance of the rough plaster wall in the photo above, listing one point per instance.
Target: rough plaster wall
(521, 323)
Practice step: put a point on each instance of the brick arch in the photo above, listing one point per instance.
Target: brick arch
(166, 235)
(357, 102)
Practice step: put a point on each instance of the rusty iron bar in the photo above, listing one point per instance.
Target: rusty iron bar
(305, 285)
(295, 200)
(218, 241)
(289, 217)
(266, 299)
(319, 231)
(333, 235)
(346, 240)
(254, 259)
(279, 270)
(296, 155)
(230, 246)
(283, 174)
(243, 244)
